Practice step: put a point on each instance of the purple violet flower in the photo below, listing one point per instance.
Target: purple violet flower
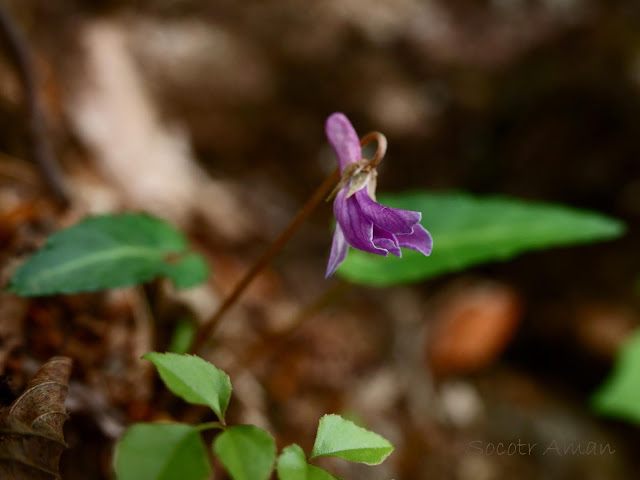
(361, 221)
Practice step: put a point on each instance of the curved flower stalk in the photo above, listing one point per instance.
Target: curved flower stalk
(362, 222)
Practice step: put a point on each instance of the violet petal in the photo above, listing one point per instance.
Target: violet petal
(393, 220)
(343, 138)
(339, 249)
(355, 225)
(386, 240)
(420, 240)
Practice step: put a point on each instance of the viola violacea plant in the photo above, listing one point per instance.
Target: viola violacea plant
(362, 222)
(120, 250)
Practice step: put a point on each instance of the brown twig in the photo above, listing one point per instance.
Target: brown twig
(41, 150)
(205, 332)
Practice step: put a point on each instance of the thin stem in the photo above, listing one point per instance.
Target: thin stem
(209, 426)
(41, 149)
(205, 332)
(329, 185)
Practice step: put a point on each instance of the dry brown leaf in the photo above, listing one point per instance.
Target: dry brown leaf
(31, 439)
(474, 324)
(149, 161)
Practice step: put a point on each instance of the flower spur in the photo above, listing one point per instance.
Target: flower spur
(361, 222)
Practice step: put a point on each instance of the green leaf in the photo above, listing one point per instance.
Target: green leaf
(342, 438)
(194, 380)
(109, 251)
(317, 473)
(161, 451)
(292, 465)
(619, 396)
(247, 452)
(190, 271)
(470, 230)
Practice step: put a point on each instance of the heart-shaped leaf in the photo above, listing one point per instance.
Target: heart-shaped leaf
(342, 438)
(194, 380)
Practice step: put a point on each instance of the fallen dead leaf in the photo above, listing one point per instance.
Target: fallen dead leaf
(31, 438)
(474, 323)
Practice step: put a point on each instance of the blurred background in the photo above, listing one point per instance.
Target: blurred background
(211, 115)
